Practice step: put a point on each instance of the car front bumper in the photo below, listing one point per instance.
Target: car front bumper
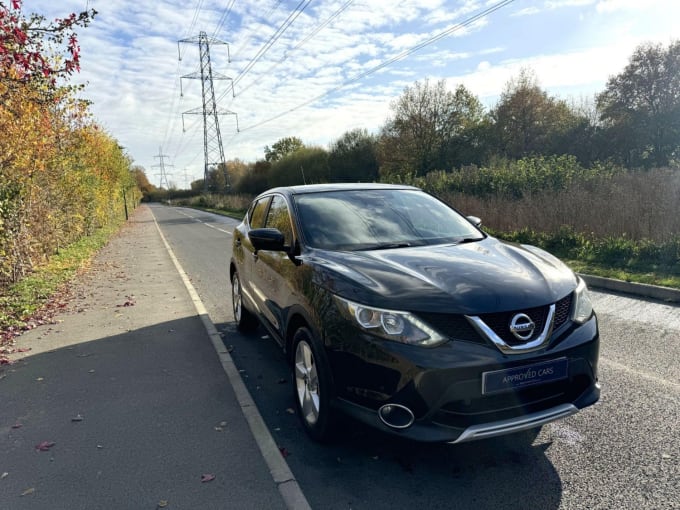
(442, 387)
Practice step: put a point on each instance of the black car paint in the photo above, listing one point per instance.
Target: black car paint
(367, 372)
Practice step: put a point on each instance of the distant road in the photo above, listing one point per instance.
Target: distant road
(623, 453)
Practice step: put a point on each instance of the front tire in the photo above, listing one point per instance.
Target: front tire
(312, 386)
(245, 321)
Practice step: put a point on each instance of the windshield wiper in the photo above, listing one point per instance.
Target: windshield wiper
(463, 240)
(386, 246)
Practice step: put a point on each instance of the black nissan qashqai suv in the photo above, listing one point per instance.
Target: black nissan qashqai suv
(397, 310)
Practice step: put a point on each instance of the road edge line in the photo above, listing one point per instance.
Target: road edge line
(281, 473)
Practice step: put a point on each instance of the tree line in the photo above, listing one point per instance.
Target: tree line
(61, 176)
(634, 122)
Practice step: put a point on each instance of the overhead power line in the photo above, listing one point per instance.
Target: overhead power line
(400, 56)
(223, 19)
(252, 32)
(284, 26)
(309, 36)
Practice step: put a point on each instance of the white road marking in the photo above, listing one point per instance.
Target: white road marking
(204, 223)
(623, 368)
(281, 474)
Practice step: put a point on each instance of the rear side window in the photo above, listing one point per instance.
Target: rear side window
(257, 212)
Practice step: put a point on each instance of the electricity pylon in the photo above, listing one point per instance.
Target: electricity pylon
(163, 175)
(213, 149)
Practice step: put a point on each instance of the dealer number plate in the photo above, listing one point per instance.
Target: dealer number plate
(521, 377)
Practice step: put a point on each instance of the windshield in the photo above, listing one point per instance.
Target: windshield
(379, 219)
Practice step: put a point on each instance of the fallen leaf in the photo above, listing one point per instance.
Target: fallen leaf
(44, 446)
(162, 503)
(17, 426)
(290, 410)
(4, 475)
(40, 379)
(284, 451)
(28, 491)
(207, 478)
(23, 349)
(77, 418)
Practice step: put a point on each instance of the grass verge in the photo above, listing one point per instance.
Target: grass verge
(619, 258)
(236, 214)
(27, 297)
(653, 276)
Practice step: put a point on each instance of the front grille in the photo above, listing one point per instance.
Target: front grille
(562, 310)
(457, 327)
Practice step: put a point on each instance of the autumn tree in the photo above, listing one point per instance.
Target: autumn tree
(62, 176)
(527, 120)
(308, 165)
(237, 169)
(282, 148)
(640, 107)
(428, 125)
(468, 144)
(255, 179)
(141, 180)
(353, 157)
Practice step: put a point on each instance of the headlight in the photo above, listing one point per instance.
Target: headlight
(583, 307)
(390, 324)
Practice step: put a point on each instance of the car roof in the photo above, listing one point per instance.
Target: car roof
(342, 186)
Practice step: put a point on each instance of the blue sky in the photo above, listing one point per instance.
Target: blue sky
(131, 68)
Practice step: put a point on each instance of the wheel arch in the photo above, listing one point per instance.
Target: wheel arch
(296, 321)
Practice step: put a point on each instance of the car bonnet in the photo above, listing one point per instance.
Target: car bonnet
(480, 277)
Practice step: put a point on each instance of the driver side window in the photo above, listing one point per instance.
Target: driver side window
(279, 218)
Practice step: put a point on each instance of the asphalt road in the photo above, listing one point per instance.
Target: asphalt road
(622, 453)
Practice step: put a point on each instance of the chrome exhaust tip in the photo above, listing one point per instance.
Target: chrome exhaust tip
(396, 416)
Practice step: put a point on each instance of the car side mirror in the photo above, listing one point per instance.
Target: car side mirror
(270, 239)
(477, 222)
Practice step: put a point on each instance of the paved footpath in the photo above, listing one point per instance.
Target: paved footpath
(125, 402)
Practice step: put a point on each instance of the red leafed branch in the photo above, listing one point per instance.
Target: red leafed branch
(35, 49)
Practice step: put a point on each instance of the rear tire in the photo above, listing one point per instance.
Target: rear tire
(245, 320)
(312, 386)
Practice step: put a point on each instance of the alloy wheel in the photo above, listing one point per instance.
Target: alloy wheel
(236, 297)
(307, 383)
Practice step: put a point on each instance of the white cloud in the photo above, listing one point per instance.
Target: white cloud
(130, 62)
(564, 74)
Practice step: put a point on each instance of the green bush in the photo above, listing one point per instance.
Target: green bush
(512, 179)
